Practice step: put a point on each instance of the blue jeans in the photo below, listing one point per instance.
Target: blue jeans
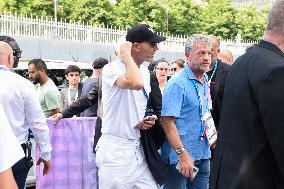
(177, 181)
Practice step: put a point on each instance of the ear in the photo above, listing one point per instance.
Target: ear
(66, 77)
(187, 54)
(135, 46)
(10, 60)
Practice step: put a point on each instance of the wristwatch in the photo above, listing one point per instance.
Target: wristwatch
(180, 150)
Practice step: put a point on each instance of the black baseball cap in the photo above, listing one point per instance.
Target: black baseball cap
(143, 33)
(100, 63)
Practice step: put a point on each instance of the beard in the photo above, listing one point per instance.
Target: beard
(201, 68)
(36, 80)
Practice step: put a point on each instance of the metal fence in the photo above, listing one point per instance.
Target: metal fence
(46, 28)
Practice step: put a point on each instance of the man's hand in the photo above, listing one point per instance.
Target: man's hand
(125, 49)
(186, 164)
(47, 165)
(57, 117)
(146, 124)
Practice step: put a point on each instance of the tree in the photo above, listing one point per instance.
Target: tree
(184, 17)
(132, 12)
(251, 22)
(95, 12)
(219, 19)
(29, 7)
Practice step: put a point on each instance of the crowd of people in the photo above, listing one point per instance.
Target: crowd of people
(198, 123)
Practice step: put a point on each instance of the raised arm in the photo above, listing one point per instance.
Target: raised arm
(132, 79)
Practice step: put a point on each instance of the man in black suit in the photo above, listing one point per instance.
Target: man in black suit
(250, 148)
(217, 77)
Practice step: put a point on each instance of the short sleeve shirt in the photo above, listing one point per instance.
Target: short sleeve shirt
(180, 100)
(123, 109)
(49, 97)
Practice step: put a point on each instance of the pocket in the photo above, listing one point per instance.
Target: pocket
(110, 155)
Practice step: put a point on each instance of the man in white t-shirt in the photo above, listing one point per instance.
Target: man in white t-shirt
(125, 89)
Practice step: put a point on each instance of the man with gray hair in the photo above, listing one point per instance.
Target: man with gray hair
(250, 149)
(184, 105)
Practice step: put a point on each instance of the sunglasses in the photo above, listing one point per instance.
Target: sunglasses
(17, 52)
(174, 69)
(153, 44)
(162, 69)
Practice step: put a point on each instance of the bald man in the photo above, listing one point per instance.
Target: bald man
(226, 56)
(216, 79)
(23, 111)
(17, 52)
(6, 55)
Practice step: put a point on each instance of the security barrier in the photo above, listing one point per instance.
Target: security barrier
(73, 161)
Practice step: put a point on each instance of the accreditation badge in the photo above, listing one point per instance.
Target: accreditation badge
(210, 129)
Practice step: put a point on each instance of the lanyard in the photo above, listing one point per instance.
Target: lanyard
(145, 93)
(202, 130)
(214, 71)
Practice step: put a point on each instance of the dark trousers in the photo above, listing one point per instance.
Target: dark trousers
(21, 170)
(177, 181)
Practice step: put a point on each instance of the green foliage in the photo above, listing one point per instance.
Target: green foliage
(132, 12)
(251, 22)
(219, 19)
(178, 17)
(95, 12)
(184, 17)
(29, 7)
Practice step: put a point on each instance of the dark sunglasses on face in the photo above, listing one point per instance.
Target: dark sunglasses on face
(174, 69)
(17, 52)
(162, 69)
(154, 44)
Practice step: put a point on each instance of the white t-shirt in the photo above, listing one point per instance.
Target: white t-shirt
(123, 109)
(10, 149)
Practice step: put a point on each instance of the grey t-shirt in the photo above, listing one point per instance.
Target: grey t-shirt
(88, 85)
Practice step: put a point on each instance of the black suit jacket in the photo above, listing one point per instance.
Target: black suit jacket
(250, 148)
(217, 90)
(153, 138)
